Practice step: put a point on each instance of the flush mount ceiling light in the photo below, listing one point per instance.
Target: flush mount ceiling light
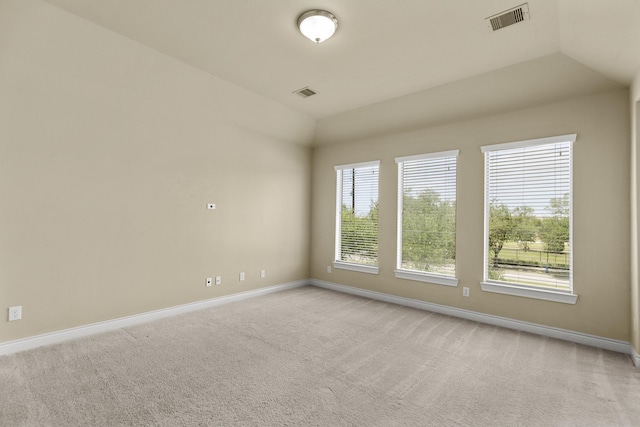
(317, 25)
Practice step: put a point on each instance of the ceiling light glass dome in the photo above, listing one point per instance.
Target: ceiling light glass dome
(317, 25)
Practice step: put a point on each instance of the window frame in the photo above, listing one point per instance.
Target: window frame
(511, 288)
(338, 263)
(416, 275)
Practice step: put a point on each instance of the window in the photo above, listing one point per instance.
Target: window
(427, 218)
(357, 217)
(528, 211)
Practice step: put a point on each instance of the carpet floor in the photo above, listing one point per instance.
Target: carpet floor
(314, 357)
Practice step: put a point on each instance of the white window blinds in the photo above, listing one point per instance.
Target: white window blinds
(528, 212)
(357, 213)
(427, 213)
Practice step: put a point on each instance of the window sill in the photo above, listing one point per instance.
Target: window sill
(520, 291)
(426, 277)
(361, 268)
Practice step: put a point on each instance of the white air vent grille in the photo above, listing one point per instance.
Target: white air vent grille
(305, 92)
(509, 17)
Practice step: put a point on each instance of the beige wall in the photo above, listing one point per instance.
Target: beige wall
(544, 80)
(109, 153)
(601, 203)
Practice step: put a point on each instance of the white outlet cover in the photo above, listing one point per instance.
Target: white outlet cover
(218, 280)
(211, 205)
(15, 313)
(241, 277)
(208, 281)
(263, 273)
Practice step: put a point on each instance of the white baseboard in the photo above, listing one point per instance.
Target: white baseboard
(547, 331)
(123, 322)
(635, 357)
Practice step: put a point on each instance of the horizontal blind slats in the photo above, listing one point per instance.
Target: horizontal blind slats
(426, 229)
(359, 225)
(532, 184)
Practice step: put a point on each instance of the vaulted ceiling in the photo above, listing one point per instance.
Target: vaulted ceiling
(382, 50)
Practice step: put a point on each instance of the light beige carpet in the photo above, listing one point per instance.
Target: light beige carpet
(310, 356)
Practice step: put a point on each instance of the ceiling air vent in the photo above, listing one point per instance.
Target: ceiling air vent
(509, 17)
(305, 92)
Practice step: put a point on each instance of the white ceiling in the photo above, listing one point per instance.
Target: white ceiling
(382, 49)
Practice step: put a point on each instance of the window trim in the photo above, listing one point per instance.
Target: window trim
(436, 155)
(337, 263)
(566, 297)
(571, 137)
(360, 268)
(515, 289)
(420, 276)
(357, 165)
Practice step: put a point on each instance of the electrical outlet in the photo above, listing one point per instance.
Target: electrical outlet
(218, 280)
(465, 292)
(242, 276)
(15, 313)
(328, 269)
(262, 274)
(208, 281)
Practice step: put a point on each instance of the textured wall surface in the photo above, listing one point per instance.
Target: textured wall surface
(109, 153)
(601, 206)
